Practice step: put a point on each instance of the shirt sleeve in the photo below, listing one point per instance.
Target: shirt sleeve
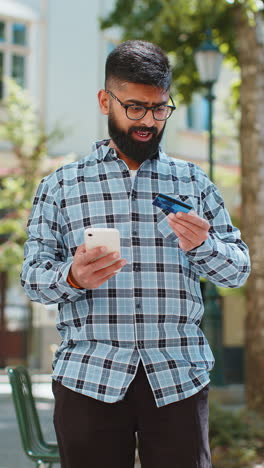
(223, 258)
(46, 263)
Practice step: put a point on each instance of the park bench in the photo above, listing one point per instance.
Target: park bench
(43, 453)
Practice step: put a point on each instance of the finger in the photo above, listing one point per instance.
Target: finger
(103, 262)
(185, 245)
(196, 237)
(186, 233)
(183, 226)
(100, 281)
(199, 229)
(184, 242)
(191, 218)
(186, 229)
(193, 233)
(187, 236)
(181, 234)
(85, 256)
(111, 269)
(80, 250)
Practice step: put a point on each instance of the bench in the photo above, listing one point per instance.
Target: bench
(43, 453)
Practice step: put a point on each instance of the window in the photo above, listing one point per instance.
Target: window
(19, 34)
(13, 52)
(198, 114)
(18, 69)
(2, 31)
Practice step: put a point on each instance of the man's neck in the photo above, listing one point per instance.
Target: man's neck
(133, 165)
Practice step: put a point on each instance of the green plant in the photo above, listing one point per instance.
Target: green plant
(23, 131)
(236, 438)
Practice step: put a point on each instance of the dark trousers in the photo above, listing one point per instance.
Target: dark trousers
(94, 434)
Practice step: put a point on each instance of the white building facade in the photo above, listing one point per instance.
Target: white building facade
(56, 50)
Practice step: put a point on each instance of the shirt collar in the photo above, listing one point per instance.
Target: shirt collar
(102, 151)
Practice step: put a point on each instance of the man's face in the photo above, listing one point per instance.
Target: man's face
(136, 139)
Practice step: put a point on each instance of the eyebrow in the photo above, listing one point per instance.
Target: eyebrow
(144, 103)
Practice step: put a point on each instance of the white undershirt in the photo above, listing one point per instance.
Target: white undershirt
(133, 173)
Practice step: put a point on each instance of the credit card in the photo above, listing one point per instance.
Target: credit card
(171, 204)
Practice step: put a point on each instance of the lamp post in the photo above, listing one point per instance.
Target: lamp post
(208, 61)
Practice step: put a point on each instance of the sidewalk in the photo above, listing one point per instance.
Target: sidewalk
(41, 385)
(11, 452)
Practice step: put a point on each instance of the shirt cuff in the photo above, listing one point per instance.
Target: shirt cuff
(206, 249)
(65, 287)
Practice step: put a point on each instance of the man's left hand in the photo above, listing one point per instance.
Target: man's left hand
(191, 229)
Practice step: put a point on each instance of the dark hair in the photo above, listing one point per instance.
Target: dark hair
(138, 62)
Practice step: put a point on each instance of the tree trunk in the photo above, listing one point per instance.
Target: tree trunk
(250, 43)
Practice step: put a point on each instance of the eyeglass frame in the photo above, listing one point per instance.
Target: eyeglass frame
(147, 108)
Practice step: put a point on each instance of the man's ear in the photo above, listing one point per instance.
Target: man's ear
(103, 99)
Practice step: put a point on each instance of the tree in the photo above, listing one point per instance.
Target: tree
(237, 27)
(22, 130)
(27, 140)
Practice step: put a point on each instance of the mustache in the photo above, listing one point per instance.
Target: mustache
(152, 130)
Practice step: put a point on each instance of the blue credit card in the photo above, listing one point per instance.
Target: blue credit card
(171, 204)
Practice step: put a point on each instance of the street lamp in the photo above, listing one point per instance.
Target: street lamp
(208, 61)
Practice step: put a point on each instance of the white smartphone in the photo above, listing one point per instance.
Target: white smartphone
(99, 237)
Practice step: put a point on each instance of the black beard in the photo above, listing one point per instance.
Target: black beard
(136, 150)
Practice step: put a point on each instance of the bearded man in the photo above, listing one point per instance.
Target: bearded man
(133, 361)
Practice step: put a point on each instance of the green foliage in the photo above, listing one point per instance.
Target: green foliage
(14, 209)
(179, 28)
(22, 129)
(236, 438)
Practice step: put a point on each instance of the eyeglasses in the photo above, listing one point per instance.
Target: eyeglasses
(137, 111)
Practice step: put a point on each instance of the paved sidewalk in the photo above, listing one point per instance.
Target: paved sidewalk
(41, 385)
(11, 452)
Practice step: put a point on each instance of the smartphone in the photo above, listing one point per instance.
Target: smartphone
(103, 237)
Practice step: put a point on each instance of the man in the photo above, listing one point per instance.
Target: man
(132, 358)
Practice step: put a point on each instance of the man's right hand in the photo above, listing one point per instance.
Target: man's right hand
(89, 273)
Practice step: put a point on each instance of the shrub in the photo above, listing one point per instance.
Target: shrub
(236, 438)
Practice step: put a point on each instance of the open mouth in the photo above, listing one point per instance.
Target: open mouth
(141, 135)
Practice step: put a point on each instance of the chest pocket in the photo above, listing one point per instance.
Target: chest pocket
(162, 224)
(164, 229)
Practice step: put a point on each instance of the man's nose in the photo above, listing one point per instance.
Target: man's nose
(148, 119)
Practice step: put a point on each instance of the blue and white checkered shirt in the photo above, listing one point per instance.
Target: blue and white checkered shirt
(152, 309)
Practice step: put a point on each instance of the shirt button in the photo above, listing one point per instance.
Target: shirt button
(141, 344)
(138, 306)
(136, 268)
(134, 233)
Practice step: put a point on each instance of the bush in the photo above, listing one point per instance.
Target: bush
(236, 438)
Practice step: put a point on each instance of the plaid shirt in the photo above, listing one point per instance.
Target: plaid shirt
(152, 309)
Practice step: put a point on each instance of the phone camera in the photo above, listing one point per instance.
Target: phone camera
(90, 235)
